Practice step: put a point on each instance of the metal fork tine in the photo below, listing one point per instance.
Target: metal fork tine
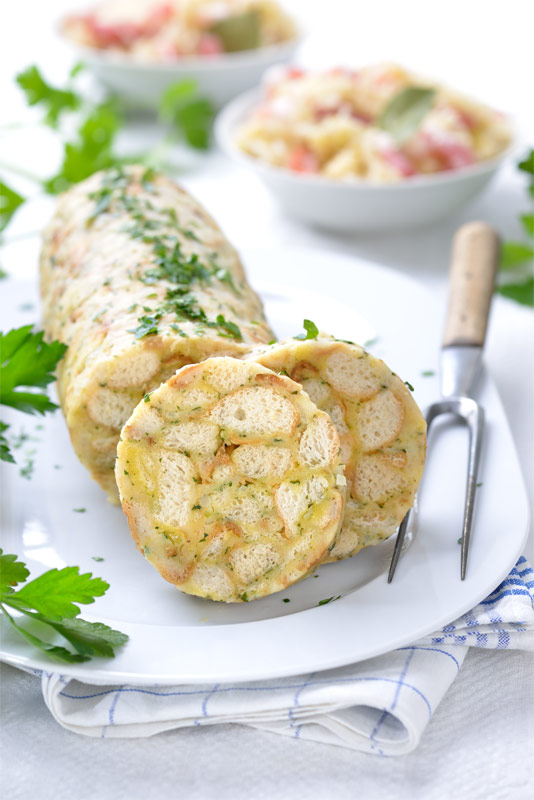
(471, 413)
(431, 414)
(401, 535)
(475, 420)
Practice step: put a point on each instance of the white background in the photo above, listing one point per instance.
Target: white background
(479, 739)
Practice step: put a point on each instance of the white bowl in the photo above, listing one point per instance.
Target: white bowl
(358, 205)
(219, 78)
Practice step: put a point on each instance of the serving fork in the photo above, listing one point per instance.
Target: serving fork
(475, 256)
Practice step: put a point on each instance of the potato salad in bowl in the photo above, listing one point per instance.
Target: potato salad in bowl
(360, 150)
(161, 31)
(379, 123)
(138, 48)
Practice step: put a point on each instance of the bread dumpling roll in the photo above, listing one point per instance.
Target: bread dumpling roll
(231, 480)
(381, 430)
(138, 280)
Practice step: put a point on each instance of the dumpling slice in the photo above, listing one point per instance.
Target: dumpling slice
(238, 494)
(381, 430)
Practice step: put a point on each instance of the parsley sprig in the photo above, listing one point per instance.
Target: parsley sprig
(54, 101)
(91, 149)
(27, 363)
(190, 115)
(52, 599)
(518, 257)
(93, 146)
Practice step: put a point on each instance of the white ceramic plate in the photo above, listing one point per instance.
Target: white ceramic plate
(177, 638)
(357, 205)
(219, 78)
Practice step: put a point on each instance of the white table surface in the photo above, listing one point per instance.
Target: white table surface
(480, 743)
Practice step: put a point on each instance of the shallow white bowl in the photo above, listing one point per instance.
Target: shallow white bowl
(220, 78)
(358, 205)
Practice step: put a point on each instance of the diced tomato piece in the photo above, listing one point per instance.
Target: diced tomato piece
(456, 155)
(301, 159)
(293, 73)
(450, 154)
(359, 115)
(123, 34)
(468, 119)
(343, 71)
(210, 45)
(325, 111)
(329, 111)
(386, 79)
(399, 161)
(119, 35)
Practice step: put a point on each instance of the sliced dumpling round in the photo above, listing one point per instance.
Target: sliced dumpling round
(238, 495)
(381, 430)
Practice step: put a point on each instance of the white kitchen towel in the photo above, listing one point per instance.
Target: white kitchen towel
(380, 706)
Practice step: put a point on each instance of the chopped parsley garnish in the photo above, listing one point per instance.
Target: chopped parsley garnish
(230, 328)
(224, 276)
(170, 262)
(147, 179)
(146, 327)
(328, 600)
(172, 265)
(52, 599)
(312, 331)
(112, 180)
(369, 342)
(27, 470)
(409, 385)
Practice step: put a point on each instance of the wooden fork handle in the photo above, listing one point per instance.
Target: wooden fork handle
(475, 259)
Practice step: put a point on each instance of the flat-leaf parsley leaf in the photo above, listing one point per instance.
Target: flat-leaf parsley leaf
(51, 600)
(26, 362)
(9, 202)
(39, 92)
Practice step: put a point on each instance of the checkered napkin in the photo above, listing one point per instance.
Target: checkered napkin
(379, 706)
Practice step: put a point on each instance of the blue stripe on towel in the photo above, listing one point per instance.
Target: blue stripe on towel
(326, 681)
(433, 650)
